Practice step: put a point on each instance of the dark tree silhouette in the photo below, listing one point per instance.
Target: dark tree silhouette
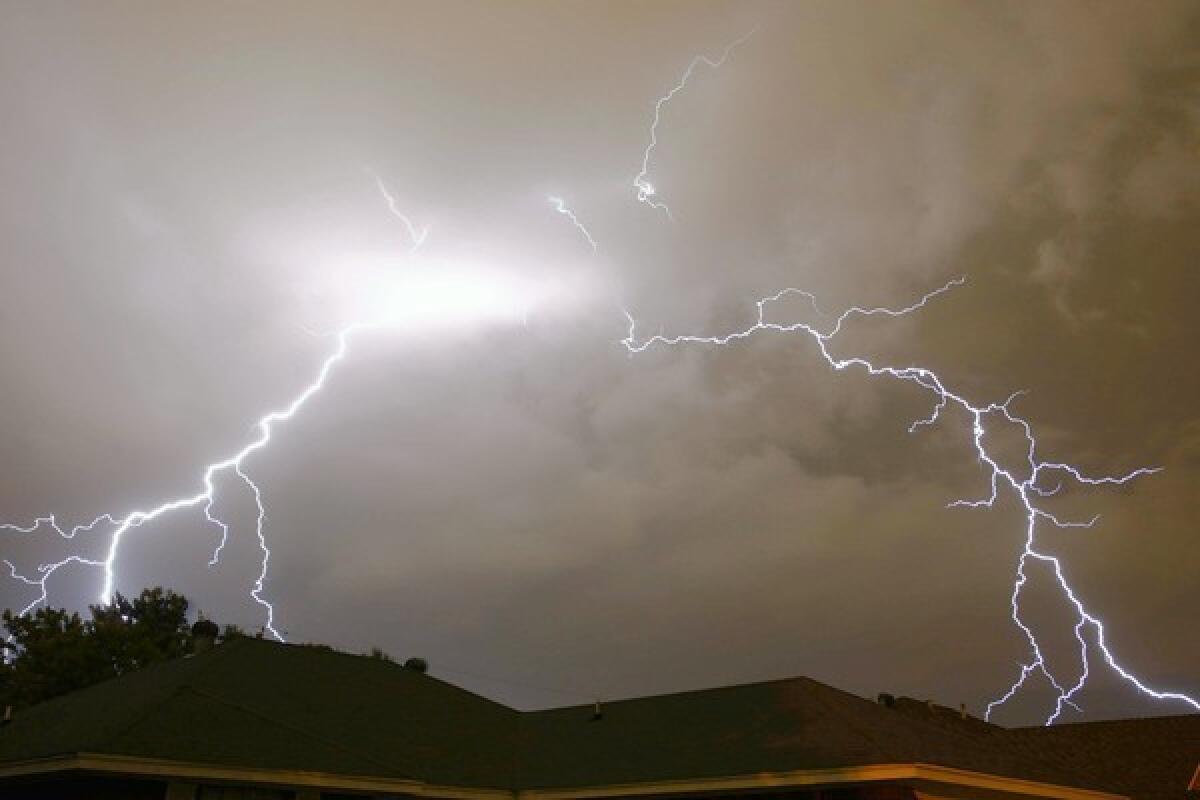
(52, 652)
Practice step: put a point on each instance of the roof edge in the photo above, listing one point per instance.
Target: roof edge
(1095, 723)
(913, 773)
(184, 770)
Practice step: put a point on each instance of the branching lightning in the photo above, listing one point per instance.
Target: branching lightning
(1029, 482)
(417, 299)
(646, 191)
(204, 499)
(1024, 488)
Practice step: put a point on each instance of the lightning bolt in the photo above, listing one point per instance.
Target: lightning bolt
(259, 519)
(560, 206)
(48, 569)
(417, 235)
(45, 570)
(1025, 487)
(646, 192)
(204, 499)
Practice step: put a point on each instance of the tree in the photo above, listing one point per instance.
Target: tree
(151, 627)
(52, 652)
(49, 653)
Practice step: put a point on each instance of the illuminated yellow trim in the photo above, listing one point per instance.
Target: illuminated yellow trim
(907, 773)
(816, 777)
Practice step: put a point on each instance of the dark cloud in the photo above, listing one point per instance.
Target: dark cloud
(541, 515)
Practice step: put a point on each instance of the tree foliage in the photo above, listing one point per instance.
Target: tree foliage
(50, 651)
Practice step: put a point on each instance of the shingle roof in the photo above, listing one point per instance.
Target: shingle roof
(256, 703)
(775, 726)
(253, 703)
(1146, 759)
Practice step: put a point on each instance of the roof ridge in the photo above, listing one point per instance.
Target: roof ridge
(177, 664)
(700, 690)
(847, 719)
(360, 657)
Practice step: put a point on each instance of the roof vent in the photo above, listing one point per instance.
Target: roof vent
(417, 665)
(886, 699)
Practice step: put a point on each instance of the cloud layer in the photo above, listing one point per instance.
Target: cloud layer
(542, 516)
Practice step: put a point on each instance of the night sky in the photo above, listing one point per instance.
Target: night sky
(190, 206)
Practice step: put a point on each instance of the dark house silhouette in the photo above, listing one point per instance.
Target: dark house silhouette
(255, 719)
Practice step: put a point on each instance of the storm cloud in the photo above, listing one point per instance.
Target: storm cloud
(190, 201)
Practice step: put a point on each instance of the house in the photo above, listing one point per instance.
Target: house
(257, 719)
